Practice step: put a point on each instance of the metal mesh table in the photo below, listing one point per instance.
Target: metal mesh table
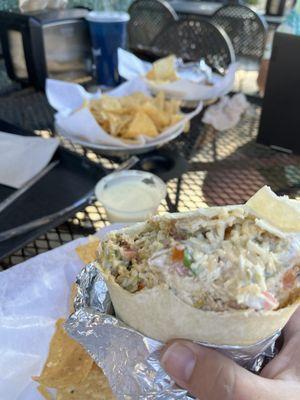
(223, 168)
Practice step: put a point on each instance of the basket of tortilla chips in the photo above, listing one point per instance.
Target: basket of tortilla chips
(127, 119)
(190, 82)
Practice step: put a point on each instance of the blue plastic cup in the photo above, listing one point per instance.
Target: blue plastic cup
(108, 32)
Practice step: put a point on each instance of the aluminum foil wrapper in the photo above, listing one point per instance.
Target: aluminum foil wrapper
(129, 359)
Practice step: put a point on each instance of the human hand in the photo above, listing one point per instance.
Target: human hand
(209, 375)
(262, 76)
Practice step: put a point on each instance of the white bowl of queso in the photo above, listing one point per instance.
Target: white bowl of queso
(130, 196)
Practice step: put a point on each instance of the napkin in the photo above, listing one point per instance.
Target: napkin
(227, 112)
(191, 85)
(77, 122)
(67, 96)
(22, 157)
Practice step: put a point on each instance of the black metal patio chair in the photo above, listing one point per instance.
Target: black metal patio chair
(193, 38)
(147, 19)
(246, 30)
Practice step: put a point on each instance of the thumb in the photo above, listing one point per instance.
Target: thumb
(209, 375)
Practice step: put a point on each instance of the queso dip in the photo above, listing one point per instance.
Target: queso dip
(130, 196)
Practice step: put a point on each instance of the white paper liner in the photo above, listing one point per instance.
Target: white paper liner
(33, 295)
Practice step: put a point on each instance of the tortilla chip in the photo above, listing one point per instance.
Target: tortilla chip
(44, 392)
(172, 106)
(71, 371)
(105, 125)
(73, 294)
(160, 118)
(175, 119)
(135, 115)
(160, 101)
(141, 125)
(116, 123)
(187, 127)
(151, 75)
(94, 387)
(88, 252)
(282, 212)
(67, 363)
(163, 70)
(133, 101)
(109, 103)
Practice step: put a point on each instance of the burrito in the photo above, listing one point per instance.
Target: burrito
(221, 275)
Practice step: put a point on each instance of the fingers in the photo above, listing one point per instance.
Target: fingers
(209, 375)
(286, 365)
(293, 326)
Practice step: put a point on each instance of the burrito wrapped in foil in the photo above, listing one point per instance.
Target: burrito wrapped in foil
(129, 359)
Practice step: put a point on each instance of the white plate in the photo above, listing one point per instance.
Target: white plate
(120, 150)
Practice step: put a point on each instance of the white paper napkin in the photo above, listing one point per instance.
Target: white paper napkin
(67, 96)
(22, 157)
(190, 86)
(227, 112)
(80, 124)
(130, 66)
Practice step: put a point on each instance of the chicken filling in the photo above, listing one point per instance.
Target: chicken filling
(226, 261)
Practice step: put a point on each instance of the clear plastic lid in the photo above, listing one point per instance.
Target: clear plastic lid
(107, 16)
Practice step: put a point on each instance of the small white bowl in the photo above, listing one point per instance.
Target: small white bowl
(130, 196)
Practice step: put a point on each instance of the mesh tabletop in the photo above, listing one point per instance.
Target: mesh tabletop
(222, 168)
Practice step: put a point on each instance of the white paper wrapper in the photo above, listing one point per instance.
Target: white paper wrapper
(190, 86)
(33, 295)
(78, 124)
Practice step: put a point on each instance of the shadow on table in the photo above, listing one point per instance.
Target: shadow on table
(236, 178)
(27, 109)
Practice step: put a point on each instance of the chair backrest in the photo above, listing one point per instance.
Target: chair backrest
(193, 38)
(147, 19)
(246, 30)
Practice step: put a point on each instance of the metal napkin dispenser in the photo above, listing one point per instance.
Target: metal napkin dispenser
(47, 43)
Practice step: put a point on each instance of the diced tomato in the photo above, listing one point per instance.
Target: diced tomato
(177, 254)
(270, 301)
(289, 278)
(129, 254)
(141, 285)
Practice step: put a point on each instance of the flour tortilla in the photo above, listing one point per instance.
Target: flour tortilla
(159, 314)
